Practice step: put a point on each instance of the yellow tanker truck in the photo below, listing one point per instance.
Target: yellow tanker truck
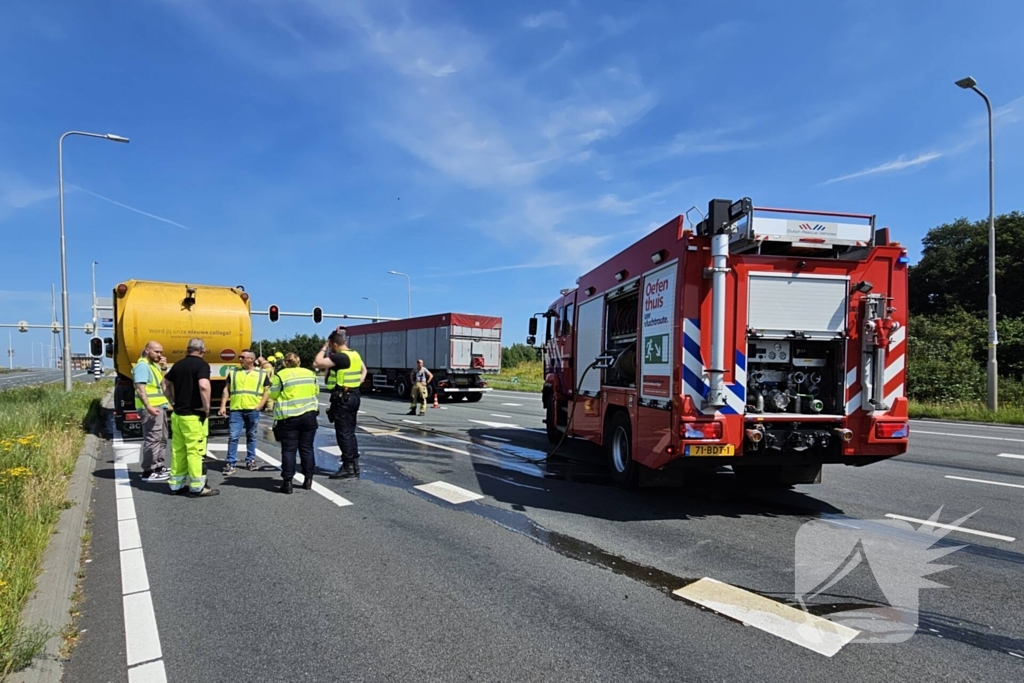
(172, 313)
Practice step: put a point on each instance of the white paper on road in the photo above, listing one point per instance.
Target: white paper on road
(796, 626)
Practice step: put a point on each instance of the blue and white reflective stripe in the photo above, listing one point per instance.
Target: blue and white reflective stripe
(695, 374)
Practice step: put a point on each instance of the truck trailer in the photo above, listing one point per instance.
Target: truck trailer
(770, 340)
(172, 313)
(458, 348)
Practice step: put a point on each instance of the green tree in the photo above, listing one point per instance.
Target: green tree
(304, 345)
(953, 271)
(512, 356)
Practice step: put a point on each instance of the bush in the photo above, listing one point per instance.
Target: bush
(513, 356)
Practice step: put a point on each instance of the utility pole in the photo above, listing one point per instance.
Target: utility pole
(10, 350)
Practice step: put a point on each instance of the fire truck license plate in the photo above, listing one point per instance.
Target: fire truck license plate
(716, 449)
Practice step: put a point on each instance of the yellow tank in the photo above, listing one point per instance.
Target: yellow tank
(172, 313)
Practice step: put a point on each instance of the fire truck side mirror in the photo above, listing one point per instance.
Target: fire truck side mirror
(533, 327)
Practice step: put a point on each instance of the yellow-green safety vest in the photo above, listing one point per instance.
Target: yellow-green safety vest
(154, 390)
(295, 392)
(351, 377)
(245, 388)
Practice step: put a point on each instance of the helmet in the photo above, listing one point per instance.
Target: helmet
(279, 356)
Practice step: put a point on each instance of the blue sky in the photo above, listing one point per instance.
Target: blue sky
(493, 151)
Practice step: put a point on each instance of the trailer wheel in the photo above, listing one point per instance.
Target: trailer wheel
(473, 398)
(619, 444)
(402, 388)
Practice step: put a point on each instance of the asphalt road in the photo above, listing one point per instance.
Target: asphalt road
(551, 574)
(10, 380)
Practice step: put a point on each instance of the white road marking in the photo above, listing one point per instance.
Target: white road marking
(134, 578)
(507, 417)
(317, 488)
(142, 638)
(412, 422)
(514, 405)
(984, 481)
(449, 492)
(427, 443)
(496, 425)
(497, 438)
(998, 537)
(128, 535)
(148, 673)
(1011, 455)
(510, 482)
(979, 425)
(796, 626)
(966, 436)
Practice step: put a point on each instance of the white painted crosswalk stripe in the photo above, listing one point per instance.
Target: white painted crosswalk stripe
(807, 630)
(449, 492)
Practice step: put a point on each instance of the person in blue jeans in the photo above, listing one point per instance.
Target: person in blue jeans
(246, 391)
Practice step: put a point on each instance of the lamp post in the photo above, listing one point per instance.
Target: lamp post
(993, 337)
(63, 256)
(376, 302)
(94, 297)
(395, 272)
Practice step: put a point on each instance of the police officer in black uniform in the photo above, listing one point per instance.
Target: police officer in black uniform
(345, 374)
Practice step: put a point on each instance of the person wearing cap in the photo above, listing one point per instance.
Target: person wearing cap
(345, 374)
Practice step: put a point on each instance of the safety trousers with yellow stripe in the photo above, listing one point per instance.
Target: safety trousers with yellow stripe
(188, 448)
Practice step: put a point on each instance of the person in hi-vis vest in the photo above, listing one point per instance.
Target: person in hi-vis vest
(346, 373)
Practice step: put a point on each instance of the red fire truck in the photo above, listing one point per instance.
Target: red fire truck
(771, 340)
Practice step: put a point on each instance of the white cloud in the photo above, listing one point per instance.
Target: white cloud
(612, 204)
(897, 164)
(550, 18)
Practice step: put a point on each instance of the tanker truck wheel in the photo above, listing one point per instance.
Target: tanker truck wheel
(473, 398)
(619, 444)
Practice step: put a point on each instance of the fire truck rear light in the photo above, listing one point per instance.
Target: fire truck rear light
(702, 430)
(131, 417)
(892, 430)
(845, 434)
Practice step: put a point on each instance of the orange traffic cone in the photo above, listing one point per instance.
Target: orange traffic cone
(435, 401)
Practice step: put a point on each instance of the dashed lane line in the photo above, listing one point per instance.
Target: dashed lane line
(806, 630)
(1011, 455)
(925, 522)
(143, 653)
(317, 488)
(514, 405)
(968, 436)
(985, 481)
(449, 492)
(507, 417)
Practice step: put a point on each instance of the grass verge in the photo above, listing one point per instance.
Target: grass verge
(41, 434)
(527, 376)
(967, 412)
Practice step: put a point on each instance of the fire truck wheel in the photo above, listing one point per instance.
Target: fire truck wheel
(554, 433)
(624, 470)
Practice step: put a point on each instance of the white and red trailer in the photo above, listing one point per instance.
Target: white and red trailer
(770, 340)
(460, 350)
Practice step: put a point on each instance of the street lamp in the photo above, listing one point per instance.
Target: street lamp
(395, 272)
(94, 297)
(993, 337)
(376, 302)
(63, 256)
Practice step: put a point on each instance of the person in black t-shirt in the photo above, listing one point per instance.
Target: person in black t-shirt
(189, 381)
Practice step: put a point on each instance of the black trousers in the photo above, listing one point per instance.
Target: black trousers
(297, 434)
(346, 409)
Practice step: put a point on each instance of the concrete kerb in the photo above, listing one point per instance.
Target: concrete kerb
(49, 605)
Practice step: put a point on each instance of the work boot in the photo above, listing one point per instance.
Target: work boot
(348, 470)
(204, 493)
(307, 483)
(286, 486)
(412, 411)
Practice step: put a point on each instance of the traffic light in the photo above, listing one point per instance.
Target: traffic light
(318, 315)
(96, 347)
(274, 314)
